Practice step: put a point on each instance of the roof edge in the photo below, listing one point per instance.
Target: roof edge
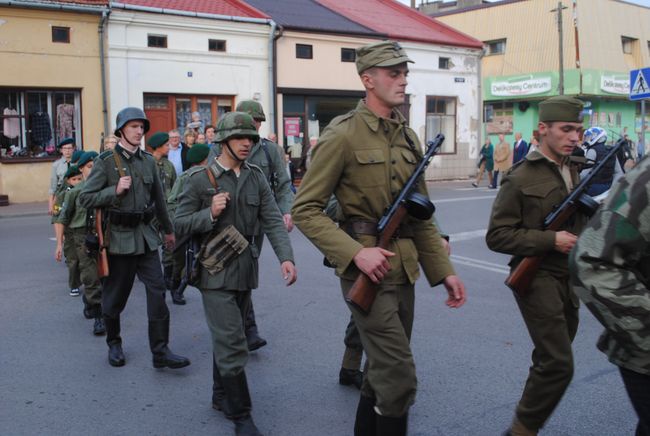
(473, 8)
(165, 11)
(61, 6)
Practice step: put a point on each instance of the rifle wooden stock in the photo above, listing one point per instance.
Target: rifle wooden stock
(102, 255)
(363, 291)
(522, 276)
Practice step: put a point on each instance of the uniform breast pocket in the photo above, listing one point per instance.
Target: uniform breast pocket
(370, 169)
(539, 200)
(252, 212)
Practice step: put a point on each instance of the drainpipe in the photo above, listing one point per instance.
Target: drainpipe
(102, 63)
(480, 99)
(275, 77)
(272, 100)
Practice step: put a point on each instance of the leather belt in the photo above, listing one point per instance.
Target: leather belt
(355, 228)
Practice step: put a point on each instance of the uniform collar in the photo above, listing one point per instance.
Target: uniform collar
(373, 121)
(127, 154)
(536, 155)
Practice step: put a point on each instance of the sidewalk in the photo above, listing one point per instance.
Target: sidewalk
(23, 209)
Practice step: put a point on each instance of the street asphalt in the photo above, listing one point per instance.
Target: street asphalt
(471, 362)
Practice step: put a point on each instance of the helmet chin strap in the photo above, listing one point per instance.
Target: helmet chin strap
(232, 153)
(129, 142)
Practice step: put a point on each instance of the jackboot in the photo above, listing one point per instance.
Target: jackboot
(88, 309)
(99, 329)
(518, 429)
(158, 340)
(388, 426)
(114, 341)
(177, 294)
(366, 420)
(218, 393)
(237, 405)
(253, 339)
(349, 377)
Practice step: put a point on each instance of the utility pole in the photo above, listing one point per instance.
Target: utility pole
(559, 9)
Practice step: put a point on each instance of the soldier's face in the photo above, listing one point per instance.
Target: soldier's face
(85, 170)
(559, 138)
(164, 149)
(241, 147)
(74, 181)
(133, 131)
(388, 84)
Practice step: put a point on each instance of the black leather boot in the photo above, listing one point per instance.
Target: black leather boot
(218, 394)
(387, 426)
(99, 329)
(237, 405)
(366, 420)
(158, 340)
(177, 293)
(114, 341)
(88, 309)
(253, 339)
(349, 377)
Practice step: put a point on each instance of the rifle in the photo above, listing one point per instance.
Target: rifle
(408, 202)
(522, 276)
(102, 255)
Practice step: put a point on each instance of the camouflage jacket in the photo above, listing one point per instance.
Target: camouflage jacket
(610, 270)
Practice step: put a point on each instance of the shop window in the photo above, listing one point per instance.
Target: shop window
(443, 63)
(304, 51)
(61, 34)
(498, 117)
(157, 41)
(495, 47)
(628, 44)
(32, 122)
(348, 55)
(441, 118)
(217, 45)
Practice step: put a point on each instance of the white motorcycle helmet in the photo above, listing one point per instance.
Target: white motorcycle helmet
(594, 135)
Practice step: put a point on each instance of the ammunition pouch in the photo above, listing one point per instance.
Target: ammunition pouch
(131, 218)
(218, 251)
(92, 243)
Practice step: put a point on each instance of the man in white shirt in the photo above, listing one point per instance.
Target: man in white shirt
(177, 155)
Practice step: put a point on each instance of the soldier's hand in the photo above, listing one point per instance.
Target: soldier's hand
(289, 272)
(373, 262)
(123, 185)
(456, 290)
(219, 203)
(170, 241)
(564, 241)
(58, 253)
(288, 222)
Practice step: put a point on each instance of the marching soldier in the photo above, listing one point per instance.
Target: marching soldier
(528, 194)
(66, 147)
(74, 218)
(125, 182)
(229, 204)
(364, 158)
(266, 156)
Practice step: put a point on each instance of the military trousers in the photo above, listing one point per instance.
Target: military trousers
(385, 333)
(71, 259)
(225, 312)
(353, 347)
(118, 284)
(87, 270)
(550, 311)
(638, 389)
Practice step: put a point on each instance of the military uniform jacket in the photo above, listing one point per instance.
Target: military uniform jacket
(167, 174)
(250, 208)
(610, 269)
(528, 193)
(365, 161)
(146, 190)
(257, 156)
(59, 198)
(73, 214)
(173, 196)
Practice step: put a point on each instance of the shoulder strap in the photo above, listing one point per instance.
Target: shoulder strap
(211, 177)
(118, 162)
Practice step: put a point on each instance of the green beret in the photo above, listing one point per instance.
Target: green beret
(65, 141)
(158, 139)
(561, 108)
(72, 171)
(380, 54)
(197, 153)
(76, 155)
(86, 157)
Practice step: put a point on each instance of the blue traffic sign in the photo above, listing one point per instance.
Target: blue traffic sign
(639, 85)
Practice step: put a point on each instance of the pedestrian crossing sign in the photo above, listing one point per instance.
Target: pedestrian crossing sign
(639, 85)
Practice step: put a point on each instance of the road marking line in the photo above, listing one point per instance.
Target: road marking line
(464, 236)
(52, 239)
(453, 200)
(476, 263)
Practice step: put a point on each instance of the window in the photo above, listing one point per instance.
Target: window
(61, 34)
(498, 117)
(216, 44)
(304, 51)
(648, 47)
(33, 121)
(443, 63)
(157, 41)
(628, 44)
(348, 55)
(441, 118)
(498, 46)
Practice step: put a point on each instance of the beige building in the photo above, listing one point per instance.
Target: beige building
(50, 88)
(602, 41)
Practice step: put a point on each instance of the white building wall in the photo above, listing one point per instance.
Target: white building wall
(185, 66)
(426, 79)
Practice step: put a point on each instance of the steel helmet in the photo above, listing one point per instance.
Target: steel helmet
(594, 135)
(130, 114)
(252, 108)
(236, 124)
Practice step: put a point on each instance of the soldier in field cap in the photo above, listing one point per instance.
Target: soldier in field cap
(529, 192)
(365, 157)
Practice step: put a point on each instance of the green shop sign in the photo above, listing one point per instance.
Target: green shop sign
(543, 84)
(605, 83)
